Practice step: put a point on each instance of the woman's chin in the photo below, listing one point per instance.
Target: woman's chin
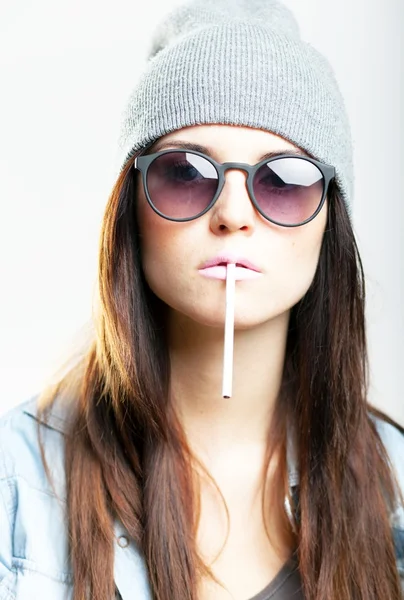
(243, 319)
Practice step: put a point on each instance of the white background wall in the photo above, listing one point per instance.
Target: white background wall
(66, 69)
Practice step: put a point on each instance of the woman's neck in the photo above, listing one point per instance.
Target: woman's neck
(210, 421)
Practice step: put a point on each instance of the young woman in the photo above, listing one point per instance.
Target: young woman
(133, 477)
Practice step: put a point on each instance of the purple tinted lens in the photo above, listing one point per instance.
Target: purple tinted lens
(181, 185)
(288, 190)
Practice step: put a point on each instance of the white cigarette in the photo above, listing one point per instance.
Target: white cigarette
(229, 331)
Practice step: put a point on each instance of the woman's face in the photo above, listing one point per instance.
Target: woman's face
(173, 252)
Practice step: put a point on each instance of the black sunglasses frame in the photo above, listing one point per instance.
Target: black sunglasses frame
(142, 164)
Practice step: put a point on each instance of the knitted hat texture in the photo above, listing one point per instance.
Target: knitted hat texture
(239, 62)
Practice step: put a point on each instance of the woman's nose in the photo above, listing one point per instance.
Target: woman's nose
(233, 210)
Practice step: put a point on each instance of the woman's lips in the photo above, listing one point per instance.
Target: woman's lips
(216, 268)
(220, 271)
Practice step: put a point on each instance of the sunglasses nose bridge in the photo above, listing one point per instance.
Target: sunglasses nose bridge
(237, 166)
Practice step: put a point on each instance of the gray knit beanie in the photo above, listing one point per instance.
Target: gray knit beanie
(239, 62)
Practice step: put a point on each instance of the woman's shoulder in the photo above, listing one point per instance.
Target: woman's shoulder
(20, 452)
(33, 540)
(392, 437)
(34, 550)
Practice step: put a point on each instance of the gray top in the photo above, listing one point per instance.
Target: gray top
(286, 585)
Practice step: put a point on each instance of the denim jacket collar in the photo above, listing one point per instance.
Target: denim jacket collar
(59, 418)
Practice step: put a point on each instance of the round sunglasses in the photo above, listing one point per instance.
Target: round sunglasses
(182, 185)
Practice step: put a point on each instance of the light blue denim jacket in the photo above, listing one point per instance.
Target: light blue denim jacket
(33, 539)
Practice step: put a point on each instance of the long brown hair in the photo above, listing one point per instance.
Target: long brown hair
(127, 457)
